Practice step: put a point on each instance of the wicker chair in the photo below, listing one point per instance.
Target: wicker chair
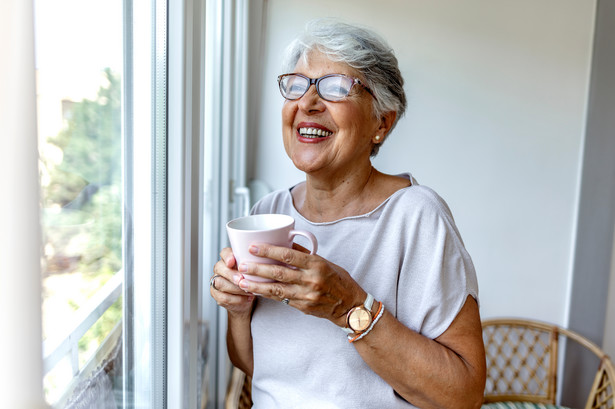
(522, 363)
(239, 391)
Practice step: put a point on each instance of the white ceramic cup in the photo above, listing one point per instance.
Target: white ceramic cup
(276, 229)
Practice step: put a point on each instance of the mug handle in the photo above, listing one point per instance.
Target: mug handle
(308, 236)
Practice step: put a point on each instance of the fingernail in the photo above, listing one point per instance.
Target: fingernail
(229, 261)
(243, 284)
(243, 267)
(254, 249)
(237, 278)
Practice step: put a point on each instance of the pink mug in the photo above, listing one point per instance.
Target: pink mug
(276, 229)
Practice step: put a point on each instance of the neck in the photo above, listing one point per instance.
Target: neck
(331, 198)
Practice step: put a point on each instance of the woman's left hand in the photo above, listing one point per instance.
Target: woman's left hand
(312, 284)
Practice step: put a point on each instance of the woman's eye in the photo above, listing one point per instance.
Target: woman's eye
(296, 88)
(336, 90)
(335, 87)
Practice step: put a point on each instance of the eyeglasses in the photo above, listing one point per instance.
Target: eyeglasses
(332, 87)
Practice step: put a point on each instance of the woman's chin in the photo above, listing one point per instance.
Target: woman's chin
(307, 165)
(305, 159)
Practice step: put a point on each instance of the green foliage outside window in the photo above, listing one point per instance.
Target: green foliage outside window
(83, 201)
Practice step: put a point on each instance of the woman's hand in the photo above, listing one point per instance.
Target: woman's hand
(224, 290)
(312, 284)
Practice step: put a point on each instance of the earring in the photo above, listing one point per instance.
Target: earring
(377, 138)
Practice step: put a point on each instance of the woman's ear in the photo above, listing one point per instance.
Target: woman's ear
(386, 123)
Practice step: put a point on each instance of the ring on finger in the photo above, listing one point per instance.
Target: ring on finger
(212, 281)
(285, 301)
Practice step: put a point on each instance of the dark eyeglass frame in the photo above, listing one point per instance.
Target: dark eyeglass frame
(316, 82)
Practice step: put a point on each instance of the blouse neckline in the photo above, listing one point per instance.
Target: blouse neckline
(358, 216)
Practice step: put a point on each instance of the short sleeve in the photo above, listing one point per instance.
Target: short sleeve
(437, 273)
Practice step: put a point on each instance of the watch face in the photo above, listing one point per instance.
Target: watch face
(360, 319)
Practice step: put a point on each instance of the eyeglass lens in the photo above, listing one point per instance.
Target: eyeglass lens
(330, 88)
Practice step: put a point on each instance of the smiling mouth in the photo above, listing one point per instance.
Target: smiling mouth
(314, 133)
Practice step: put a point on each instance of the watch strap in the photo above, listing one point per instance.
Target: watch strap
(369, 302)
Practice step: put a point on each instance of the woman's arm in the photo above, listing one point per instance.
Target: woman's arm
(239, 306)
(448, 372)
(239, 343)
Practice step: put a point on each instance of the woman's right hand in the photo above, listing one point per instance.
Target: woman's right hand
(224, 290)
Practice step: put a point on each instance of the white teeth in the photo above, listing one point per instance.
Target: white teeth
(313, 132)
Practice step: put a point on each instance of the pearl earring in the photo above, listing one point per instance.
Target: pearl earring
(377, 138)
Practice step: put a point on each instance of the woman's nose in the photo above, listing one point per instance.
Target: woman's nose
(311, 101)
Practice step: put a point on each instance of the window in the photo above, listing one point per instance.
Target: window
(103, 158)
(140, 158)
(79, 67)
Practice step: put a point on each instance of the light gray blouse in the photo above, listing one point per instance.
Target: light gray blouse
(407, 253)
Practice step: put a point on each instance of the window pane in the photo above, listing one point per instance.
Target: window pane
(79, 64)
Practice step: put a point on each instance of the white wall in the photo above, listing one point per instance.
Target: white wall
(497, 106)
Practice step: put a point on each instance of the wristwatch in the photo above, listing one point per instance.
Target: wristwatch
(359, 318)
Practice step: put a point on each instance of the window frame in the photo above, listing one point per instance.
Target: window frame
(207, 103)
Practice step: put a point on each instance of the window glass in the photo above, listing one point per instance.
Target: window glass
(79, 65)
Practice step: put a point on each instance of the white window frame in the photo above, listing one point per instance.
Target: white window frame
(207, 127)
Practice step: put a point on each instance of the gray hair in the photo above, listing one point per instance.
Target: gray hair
(363, 50)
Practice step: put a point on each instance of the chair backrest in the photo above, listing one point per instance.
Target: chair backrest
(239, 391)
(522, 363)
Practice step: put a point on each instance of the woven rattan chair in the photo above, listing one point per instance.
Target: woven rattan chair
(522, 363)
(239, 392)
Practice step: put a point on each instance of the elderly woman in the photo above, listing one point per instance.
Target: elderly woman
(385, 315)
